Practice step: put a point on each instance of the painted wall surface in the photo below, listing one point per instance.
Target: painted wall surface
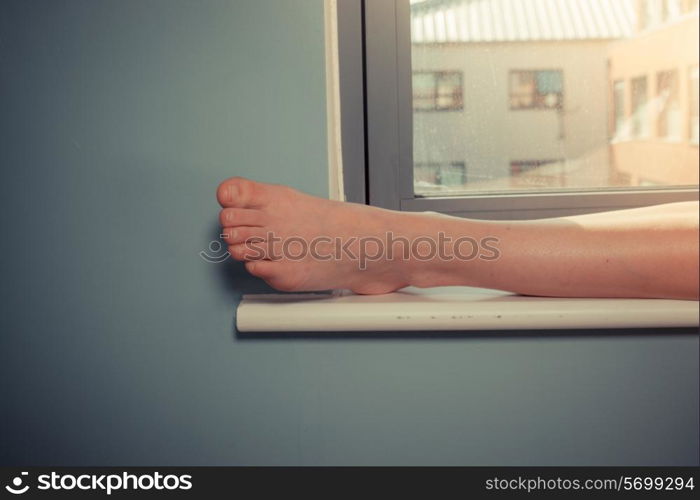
(117, 344)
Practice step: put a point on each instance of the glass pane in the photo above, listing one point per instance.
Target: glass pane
(620, 124)
(544, 95)
(694, 124)
(423, 90)
(640, 117)
(669, 105)
(448, 90)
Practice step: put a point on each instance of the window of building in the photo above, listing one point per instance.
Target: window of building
(693, 105)
(538, 173)
(619, 118)
(640, 118)
(668, 103)
(540, 89)
(649, 13)
(437, 90)
(671, 9)
(439, 175)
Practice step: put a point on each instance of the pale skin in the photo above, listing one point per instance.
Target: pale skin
(649, 252)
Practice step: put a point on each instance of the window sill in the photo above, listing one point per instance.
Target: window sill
(453, 308)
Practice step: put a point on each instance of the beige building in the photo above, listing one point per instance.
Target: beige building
(653, 87)
(512, 94)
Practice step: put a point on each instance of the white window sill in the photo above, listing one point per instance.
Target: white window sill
(453, 308)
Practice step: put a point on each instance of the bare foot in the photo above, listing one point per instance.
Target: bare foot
(299, 242)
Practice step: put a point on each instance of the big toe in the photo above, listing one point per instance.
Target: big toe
(238, 192)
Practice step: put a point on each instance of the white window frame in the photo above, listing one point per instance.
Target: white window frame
(377, 131)
(692, 76)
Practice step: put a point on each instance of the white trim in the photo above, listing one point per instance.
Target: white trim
(454, 308)
(333, 130)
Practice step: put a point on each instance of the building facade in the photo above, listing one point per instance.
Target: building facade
(653, 90)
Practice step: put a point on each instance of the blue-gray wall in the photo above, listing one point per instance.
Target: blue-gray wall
(117, 346)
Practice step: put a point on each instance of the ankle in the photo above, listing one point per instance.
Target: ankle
(458, 256)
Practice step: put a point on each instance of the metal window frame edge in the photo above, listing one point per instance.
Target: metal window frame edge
(351, 71)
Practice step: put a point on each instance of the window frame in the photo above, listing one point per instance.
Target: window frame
(534, 106)
(375, 35)
(693, 73)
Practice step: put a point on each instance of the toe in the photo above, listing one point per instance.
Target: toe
(248, 251)
(229, 217)
(265, 269)
(241, 193)
(241, 234)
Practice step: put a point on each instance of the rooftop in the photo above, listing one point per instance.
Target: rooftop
(466, 21)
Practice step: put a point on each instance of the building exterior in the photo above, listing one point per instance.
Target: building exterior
(515, 95)
(653, 88)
